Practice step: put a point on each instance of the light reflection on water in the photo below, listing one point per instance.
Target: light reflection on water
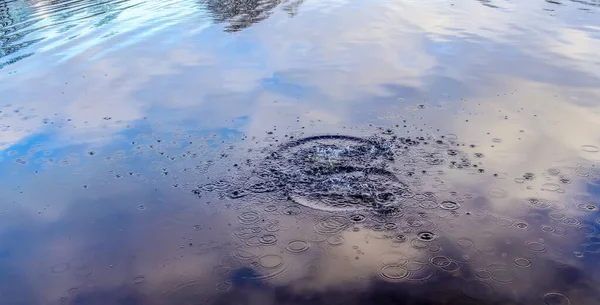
(146, 156)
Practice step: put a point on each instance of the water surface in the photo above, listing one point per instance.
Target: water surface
(299, 152)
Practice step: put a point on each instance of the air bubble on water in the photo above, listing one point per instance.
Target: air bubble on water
(587, 207)
(528, 176)
(426, 236)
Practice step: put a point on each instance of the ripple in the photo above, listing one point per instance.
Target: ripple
(271, 261)
(59, 268)
(554, 298)
(394, 272)
(268, 239)
(332, 224)
(335, 240)
(297, 246)
(522, 262)
(248, 218)
(139, 279)
(497, 193)
(501, 273)
(464, 242)
(536, 246)
(590, 148)
(191, 292)
(449, 205)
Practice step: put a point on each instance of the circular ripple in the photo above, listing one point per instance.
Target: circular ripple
(271, 261)
(440, 261)
(464, 242)
(187, 293)
(59, 268)
(590, 148)
(248, 218)
(332, 224)
(428, 204)
(394, 272)
(522, 262)
(501, 273)
(297, 246)
(555, 298)
(449, 205)
(536, 246)
(335, 240)
(223, 286)
(497, 193)
(482, 274)
(268, 239)
(139, 280)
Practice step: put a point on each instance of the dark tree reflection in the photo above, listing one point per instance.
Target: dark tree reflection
(241, 14)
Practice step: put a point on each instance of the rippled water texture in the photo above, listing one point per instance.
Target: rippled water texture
(299, 152)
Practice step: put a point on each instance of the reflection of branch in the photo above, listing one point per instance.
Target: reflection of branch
(291, 7)
(240, 14)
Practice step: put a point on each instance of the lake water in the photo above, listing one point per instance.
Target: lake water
(187, 152)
